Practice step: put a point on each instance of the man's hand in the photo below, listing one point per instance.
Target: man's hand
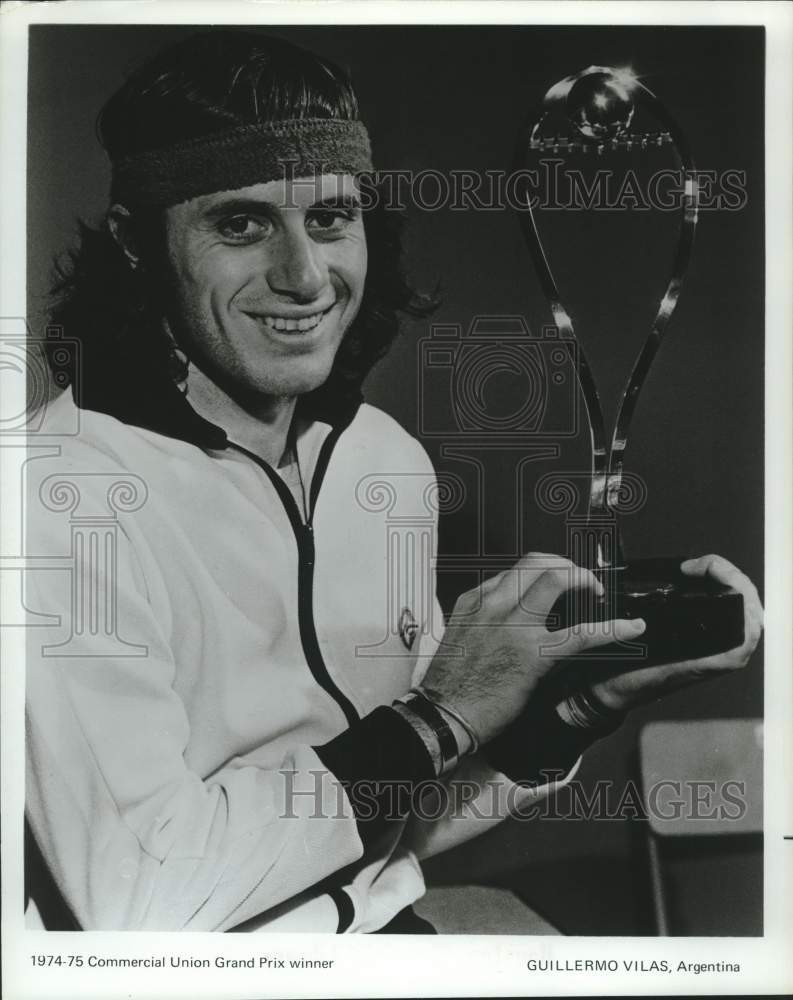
(622, 691)
(504, 646)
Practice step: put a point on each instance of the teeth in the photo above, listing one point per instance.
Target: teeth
(291, 325)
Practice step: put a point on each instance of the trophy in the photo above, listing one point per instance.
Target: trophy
(594, 114)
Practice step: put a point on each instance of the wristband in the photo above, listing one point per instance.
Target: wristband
(433, 729)
(436, 700)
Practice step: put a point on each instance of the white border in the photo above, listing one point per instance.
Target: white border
(483, 966)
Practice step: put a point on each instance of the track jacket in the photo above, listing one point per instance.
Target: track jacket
(206, 687)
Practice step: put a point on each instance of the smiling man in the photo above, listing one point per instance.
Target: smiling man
(267, 282)
(238, 735)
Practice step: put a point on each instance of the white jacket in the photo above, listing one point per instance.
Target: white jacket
(203, 649)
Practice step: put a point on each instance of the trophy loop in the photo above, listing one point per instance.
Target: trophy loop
(685, 618)
(599, 106)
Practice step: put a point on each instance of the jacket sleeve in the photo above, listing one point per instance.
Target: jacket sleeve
(132, 836)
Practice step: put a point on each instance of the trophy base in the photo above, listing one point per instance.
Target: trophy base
(687, 617)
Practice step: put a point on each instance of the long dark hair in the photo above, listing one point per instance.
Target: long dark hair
(209, 82)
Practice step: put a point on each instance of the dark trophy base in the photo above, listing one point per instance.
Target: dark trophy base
(687, 617)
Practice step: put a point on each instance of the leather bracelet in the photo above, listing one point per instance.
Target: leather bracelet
(421, 707)
(425, 733)
(435, 698)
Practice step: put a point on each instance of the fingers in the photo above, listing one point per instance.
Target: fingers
(538, 579)
(716, 566)
(753, 616)
(590, 635)
(470, 601)
(492, 582)
(510, 581)
(754, 620)
(725, 572)
(552, 583)
(518, 578)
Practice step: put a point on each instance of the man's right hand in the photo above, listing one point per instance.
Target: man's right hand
(504, 647)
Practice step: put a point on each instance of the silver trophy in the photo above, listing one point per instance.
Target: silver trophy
(601, 113)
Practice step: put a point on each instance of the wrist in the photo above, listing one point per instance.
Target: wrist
(432, 729)
(468, 740)
(447, 735)
(461, 736)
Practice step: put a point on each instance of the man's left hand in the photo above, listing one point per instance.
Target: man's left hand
(623, 691)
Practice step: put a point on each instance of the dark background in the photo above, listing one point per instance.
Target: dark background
(452, 98)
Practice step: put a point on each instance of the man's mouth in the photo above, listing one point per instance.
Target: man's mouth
(286, 324)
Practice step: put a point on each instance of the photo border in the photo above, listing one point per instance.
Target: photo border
(476, 965)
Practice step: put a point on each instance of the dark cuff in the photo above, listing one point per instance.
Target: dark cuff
(540, 746)
(380, 761)
(345, 908)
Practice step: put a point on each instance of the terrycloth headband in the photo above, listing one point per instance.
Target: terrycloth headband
(250, 154)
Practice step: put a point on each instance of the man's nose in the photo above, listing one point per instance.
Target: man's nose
(298, 268)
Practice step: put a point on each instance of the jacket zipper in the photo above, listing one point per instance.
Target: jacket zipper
(306, 550)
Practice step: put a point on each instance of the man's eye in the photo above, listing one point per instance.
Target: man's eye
(330, 220)
(242, 228)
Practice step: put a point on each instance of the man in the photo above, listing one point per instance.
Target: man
(223, 746)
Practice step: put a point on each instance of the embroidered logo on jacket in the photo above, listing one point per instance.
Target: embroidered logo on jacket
(408, 627)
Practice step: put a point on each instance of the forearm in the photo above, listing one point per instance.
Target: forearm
(536, 755)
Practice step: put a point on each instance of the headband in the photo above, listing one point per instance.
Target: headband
(240, 157)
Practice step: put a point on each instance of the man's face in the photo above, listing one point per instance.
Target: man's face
(268, 280)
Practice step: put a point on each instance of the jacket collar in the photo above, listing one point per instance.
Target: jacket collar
(156, 404)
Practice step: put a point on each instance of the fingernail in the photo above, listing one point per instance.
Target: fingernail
(638, 624)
